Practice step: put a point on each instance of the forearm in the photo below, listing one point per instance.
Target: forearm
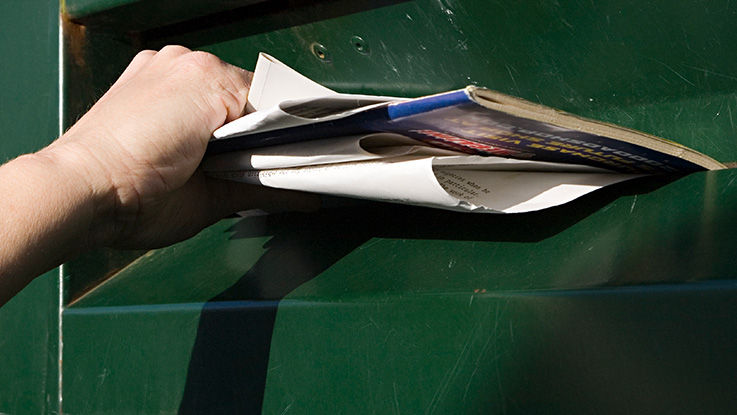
(47, 213)
(125, 175)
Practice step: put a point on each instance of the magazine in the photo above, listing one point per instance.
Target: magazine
(470, 150)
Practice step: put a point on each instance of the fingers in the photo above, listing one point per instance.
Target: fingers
(143, 57)
(141, 60)
(220, 90)
(249, 79)
(242, 82)
(228, 84)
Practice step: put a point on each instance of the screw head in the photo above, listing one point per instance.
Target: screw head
(320, 52)
(360, 45)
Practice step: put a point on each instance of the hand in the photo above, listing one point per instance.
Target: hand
(138, 148)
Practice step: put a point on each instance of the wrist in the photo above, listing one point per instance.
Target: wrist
(84, 181)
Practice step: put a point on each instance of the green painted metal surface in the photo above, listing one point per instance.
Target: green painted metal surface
(639, 350)
(29, 120)
(149, 279)
(30, 365)
(620, 302)
(28, 76)
(597, 241)
(674, 80)
(525, 313)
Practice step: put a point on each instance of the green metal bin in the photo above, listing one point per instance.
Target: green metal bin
(621, 302)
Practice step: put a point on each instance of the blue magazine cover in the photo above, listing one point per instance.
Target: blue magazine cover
(479, 121)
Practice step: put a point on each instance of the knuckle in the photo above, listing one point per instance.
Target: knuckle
(174, 50)
(221, 89)
(204, 60)
(146, 52)
(232, 98)
(200, 64)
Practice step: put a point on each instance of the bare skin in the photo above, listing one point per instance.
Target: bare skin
(125, 175)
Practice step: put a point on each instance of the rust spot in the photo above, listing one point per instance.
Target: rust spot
(114, 264)
(75, 37)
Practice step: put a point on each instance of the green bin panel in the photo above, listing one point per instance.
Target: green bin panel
(29, 119)
(620, 302)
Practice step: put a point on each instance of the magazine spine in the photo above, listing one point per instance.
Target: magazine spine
(422, 105)
(372, 120)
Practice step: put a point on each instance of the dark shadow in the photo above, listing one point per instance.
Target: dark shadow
(228, 369)
(262, 17)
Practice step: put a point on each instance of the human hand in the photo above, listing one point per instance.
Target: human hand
(139, 146)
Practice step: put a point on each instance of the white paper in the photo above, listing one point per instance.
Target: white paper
(289, 93)
(415, 180)
(520, 191)
(327, 151)
(273, 82)
(385, 167)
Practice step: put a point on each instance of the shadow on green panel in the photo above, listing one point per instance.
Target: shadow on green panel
(228, 368)
(227, 371)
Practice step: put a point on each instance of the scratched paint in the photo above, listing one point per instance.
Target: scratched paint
(600, 304)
